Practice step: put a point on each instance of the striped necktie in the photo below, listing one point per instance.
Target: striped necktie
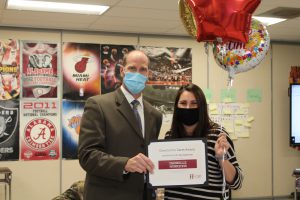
(135, 104)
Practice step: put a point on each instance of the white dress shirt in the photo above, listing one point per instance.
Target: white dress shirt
(140, 107)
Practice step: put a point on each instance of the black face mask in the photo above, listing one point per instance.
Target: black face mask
(188, 116)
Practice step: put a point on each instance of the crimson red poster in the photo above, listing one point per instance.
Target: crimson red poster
(40, 77)
(9, 69)
(81, 70)
(40, 130)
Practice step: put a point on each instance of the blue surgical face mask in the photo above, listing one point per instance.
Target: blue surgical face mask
(134, 82)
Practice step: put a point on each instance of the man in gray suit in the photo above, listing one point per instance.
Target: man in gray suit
(114, 135)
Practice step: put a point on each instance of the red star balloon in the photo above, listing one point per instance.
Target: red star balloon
(223, 20)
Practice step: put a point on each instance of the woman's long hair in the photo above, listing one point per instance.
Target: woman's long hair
(204, 123)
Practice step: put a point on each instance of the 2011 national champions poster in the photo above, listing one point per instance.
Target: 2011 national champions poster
(40, 63)
(40, 129)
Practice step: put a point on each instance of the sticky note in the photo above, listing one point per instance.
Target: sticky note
(254, 95)
(228, 95)
(250, 119)
(238, 122)
(227, 111)
(240, 111)
(247, 124)
(208, 94)
(245, 105)
(232, 136)
(212, 107)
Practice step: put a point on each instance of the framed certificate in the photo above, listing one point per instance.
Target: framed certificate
(178, 163)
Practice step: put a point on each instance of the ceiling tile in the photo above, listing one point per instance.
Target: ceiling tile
(130, 29)
(153, 23)
(52, 24)
(27, 17)
(153, 4)
(96, 2)
(142, 13)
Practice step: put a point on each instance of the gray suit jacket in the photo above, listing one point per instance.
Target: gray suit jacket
(109, 136)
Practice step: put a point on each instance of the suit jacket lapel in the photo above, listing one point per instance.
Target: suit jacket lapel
(148, 122)
(126, 111)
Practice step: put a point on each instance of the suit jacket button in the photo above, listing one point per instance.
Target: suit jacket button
(143, 145)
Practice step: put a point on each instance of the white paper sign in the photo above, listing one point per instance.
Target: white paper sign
(178, 163)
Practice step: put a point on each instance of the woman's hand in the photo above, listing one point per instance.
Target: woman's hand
(221, 143)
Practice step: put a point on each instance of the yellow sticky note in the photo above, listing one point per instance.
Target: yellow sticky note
(229, 130)
(227, 111)
(232, 136)
(212, 107)
(237, 129)
(240, 112)
(248, 125)
(250, 119)
(214, 112)
(238, 122)
(245, 105)
(227, 123)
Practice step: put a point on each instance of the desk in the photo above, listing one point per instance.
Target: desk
(296, 174)
(6, 180)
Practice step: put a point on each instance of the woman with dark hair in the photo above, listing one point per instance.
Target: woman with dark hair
(191, 119)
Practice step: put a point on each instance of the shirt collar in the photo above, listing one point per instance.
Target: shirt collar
(130, 98)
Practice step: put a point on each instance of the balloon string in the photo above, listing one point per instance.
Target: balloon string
(229, 86)
(230, 77)
(224, 151)
(224, 179)
(230, 82)
(206, 45)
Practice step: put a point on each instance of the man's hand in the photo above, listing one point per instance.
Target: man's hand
(139, 163)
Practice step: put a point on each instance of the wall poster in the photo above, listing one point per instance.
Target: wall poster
(111, 64)
(169, 68)
(162, 97)
(40, 129)
(9, 69)
(9, 130)
(169, 65)
(40, 63)
(81, 70)
(72, 112)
